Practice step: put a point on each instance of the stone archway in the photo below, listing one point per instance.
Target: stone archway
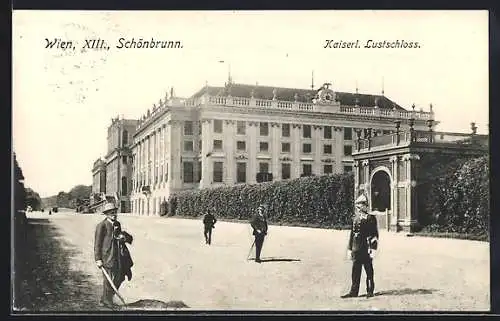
(380, 190)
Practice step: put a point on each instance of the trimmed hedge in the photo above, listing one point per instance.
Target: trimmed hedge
(321, 201)
(458, 201)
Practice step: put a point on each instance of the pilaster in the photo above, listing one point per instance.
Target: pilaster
(338, 148)
(229, 168)
(253, 133)
(206, 148)
(275, 150)
(296, 148)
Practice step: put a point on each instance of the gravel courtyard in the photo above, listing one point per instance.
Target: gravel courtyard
(303, 268)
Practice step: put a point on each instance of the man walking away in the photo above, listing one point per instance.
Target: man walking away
(259, 225)
(363, 243)
(111, 253)
(209, 221)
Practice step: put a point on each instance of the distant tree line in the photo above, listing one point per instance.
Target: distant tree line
(73, 199)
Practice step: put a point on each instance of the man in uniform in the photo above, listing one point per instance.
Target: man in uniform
(259, 225)
(111, 253)
(209, 221)
(363, 243)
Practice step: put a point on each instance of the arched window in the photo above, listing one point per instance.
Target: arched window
(125, 137)
(124, 185)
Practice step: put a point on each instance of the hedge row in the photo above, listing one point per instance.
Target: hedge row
(321, 201)
(458, 201)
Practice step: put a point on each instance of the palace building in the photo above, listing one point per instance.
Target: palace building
(112, 176)
(237, 134)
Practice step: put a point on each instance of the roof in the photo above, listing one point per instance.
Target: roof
(288, 94)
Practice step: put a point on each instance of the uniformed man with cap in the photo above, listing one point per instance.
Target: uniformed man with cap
(259, 225)
(209, 221)
(363, 244)
(111, 253)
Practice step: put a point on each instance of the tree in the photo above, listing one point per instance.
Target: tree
(80, 192)
(33, 199)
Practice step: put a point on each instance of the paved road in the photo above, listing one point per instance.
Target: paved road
(307, 270)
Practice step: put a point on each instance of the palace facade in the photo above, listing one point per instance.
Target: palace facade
(221, 136)
(112, 176)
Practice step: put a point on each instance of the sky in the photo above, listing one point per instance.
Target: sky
(63, 100)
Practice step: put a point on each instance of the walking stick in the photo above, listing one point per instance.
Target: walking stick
(112, 284)
(249, 252)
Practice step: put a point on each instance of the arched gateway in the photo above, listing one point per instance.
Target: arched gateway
(390, 168)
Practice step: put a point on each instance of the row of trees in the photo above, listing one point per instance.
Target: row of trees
(73, 199)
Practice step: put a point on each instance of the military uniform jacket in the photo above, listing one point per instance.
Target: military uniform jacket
(209, 220)
(259, 223)
(364, 235)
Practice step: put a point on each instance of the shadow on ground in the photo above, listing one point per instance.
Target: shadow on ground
(406, 292)
(47, 282)
(277, 259)
(153, 305)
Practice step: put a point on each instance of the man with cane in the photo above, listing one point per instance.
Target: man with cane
(111, 254)
(259, 225)
(363, 244)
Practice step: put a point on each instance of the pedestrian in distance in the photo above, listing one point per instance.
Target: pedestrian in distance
(259, 226)
(209, 221)
(111, 253)
(363, 245)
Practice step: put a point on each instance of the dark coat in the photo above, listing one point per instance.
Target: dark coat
(259, 223)
(364, 235)
(209, 220)
(113, 253)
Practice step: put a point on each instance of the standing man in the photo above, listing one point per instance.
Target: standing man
(209, 221)
(259, 225)
(111, 253)
(363, 243)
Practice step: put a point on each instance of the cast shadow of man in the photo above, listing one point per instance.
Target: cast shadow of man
(277, 259)
(406, 291)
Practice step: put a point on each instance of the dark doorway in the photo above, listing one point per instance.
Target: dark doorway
(381, 191)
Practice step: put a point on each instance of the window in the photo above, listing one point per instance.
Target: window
(327, 132)
(327, 169)
(264, 146)
(200, 145)
(347, 150)
(188, 172)
(263, 167)
(285, 130)
(241, 127)
(124, 160)
(386, 132)
(241, 145)
(347, 133)
(217, 126)
(125, 138)
(327, 149)
(306, 169)
(306, 148)
(166, 172)
(306, 131)
(347, 169)
(241, 172)
(218, 167)
(188, 127)
(124, 185)
(199, 128)
(264, 129)
(218, 144)
(188, 145)
(199, 172)
(285, 147)
(285, 171)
